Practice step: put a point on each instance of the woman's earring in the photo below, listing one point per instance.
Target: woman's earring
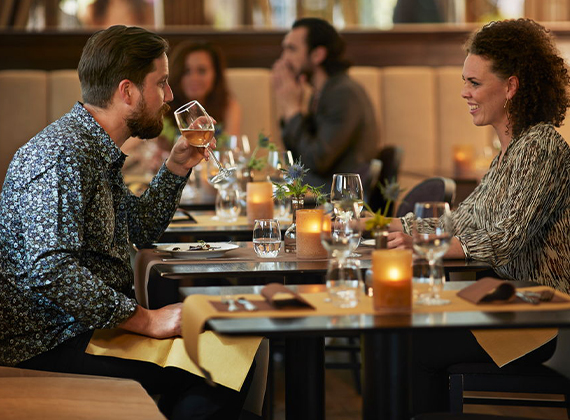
(506, 103)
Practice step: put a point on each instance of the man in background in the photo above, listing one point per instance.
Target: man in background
(338, 132)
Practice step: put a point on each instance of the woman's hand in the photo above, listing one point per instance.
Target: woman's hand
(399, 240)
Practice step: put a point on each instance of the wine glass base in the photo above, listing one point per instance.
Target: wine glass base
(223, 175)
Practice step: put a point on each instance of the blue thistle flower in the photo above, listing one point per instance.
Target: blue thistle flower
(295, 171)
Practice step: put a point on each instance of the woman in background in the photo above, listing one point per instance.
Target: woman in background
(197, 72)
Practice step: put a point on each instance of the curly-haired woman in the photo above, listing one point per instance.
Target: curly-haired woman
(518, 218)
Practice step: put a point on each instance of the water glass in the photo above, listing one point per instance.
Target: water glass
(267, 238)
(344, 282)
(228, 204)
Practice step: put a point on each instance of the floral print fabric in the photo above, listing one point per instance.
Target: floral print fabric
(66, 220)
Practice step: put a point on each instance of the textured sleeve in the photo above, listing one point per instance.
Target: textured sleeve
(150, 214)
(538, 184)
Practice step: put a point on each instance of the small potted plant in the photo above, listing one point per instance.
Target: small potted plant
(296, 189)
(379, 223)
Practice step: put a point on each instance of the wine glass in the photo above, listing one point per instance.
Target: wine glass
(432, 232)
(198, 128)
(347, 186)
(277, 160)
(226, 159)
(340, 231)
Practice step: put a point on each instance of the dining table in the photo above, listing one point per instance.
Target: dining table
(385, 342)
(164, 275)
(192, 226)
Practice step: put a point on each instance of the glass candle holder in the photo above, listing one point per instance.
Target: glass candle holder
(309, 234)
(259, 201)
(392, 280)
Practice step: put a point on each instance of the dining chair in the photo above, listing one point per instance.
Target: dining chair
(391, 158)
(550, 377)
(431, 189)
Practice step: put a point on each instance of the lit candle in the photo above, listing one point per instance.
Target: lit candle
(309, 234)
(259, 200)
(463, 159)
(392, 280)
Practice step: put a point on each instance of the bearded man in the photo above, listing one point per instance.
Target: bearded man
(67, 218)
(338, 132)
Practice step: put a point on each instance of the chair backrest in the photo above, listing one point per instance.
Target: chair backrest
(432, 189)
(391, 158)
(373, 176)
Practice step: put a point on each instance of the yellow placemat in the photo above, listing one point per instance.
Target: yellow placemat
(217, 353)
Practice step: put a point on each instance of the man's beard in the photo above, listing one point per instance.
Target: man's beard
(143, 125)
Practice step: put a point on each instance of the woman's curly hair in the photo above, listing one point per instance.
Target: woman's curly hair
(525, 49)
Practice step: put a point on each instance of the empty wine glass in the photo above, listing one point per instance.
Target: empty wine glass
(432, 232)
(340, 232)
(228, 204)
(347, 186)
(198, 128)
(277, 160)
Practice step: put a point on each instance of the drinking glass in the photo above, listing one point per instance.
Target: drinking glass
(267, 238)
(228, 204)
(344, 282)
(226, 159)
(277, 160)
(198, 128)
(347, 187)
(341, 231)
(432, 232)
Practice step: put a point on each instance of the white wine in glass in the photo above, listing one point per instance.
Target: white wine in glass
(198, 128)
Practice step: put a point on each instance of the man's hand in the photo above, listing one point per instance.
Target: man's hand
(157, 323)
(184, 156)
(288, 89)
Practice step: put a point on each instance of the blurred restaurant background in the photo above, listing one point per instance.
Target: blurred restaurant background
(406, 53)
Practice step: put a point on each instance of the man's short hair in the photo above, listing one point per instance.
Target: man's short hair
(322, 33)
(115, 54)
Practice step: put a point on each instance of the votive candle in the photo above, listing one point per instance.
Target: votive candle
(259, 201)
(392, 280)
(309, 234)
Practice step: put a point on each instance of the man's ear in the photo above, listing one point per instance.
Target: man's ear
(126, 90)
(318, 55)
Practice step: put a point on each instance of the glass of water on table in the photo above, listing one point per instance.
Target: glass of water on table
(267, 238)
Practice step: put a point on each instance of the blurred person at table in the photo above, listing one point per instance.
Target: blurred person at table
(67, 218)
(338, 132)
(518, 218)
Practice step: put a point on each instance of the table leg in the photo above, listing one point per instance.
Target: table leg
(386, 371)
(304, 378)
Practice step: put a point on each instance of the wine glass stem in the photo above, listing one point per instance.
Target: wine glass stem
(213, 156)
(434, 280)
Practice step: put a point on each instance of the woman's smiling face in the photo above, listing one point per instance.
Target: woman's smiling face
(484, 92)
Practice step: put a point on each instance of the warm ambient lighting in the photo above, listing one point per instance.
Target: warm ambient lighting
(392, 280)
(309, 234)
(259, 201)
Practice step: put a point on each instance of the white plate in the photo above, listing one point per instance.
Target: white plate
(182, 250)
(368, 242)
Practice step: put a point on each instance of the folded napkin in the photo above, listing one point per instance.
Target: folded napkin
(490, 290)
(505, 345)
(275, 297)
